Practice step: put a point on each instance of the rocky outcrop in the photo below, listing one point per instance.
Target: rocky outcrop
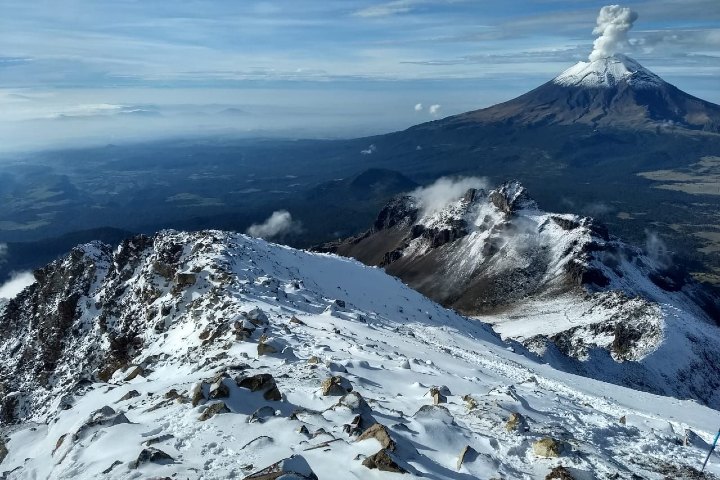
(548, 447)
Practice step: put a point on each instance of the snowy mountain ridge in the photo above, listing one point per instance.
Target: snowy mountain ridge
(212, 355)
(582, 300)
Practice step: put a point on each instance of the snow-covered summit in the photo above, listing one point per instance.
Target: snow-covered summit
(608, 72)
(211, 355)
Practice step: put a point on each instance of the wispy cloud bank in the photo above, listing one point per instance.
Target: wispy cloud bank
(17, 283)
(445, 190)
(278, 225)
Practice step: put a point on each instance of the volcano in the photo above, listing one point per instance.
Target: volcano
(610, 92)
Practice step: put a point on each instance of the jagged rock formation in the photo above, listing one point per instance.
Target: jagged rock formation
(561, 284)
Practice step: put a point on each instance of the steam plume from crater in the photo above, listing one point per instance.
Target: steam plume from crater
(613, 23)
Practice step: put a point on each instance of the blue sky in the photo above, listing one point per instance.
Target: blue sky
(147, 68)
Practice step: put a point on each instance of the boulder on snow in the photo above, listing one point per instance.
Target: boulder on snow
(103, 417)
(559, 473)
(335, 386)
(437, 396)
(294, 467)
(151, 455)
(218, 390)
(467, 455)
(434, 413)
(212, 410)
(516, 423)
(380, 433)
(261, 382)
(384, 462)
(261, 414)
(133, 372)
(470, 402)
(129, 395)
(257, 317)
(548, 447)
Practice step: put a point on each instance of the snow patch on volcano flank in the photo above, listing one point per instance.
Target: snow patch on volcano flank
(608, 72)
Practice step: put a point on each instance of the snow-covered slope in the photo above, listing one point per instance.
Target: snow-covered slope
(608, 73)
(581, 299)
(213, 355)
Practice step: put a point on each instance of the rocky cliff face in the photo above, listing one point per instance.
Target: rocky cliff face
(218, 356)
(560, 284)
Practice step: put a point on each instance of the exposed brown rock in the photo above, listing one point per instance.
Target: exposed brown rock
(380, 433)
(383, 462)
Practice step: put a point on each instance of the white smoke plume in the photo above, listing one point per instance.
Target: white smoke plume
(279, 224)
(656, 249)
(434, 109)
(17, 283)
(613, 23)
(418, 107)
(444, 191)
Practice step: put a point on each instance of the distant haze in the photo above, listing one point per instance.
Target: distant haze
(98, 72)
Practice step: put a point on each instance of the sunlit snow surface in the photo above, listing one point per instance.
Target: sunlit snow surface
(383, 328)
(608, 72)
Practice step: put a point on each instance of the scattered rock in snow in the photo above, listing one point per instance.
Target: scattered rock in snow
(134, 372)
(467, 455)
(104, 417)
(218, 390)
(434, 412)
(290, 468)
(384, 462)
(196, 394)
(436, 396)
(313, 360)
(547, 447)
(151, 455)
(335, 386)
(693, 439)
(296, 321)
(128, 396)
(470, 402)
(267, 346)
(261, 414)
(559, 473)
(516, 423)
(257, 317)
(380, 433)
(212, 410)
(261, 382)
(110, 468)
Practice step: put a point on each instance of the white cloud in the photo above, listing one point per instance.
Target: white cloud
(17, 283)
(279, 224)
(370, 150)
(418, 107)
(444, 191)
(434, 109)
(387, 9)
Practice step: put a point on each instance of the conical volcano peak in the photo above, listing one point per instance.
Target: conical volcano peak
(608, 72)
